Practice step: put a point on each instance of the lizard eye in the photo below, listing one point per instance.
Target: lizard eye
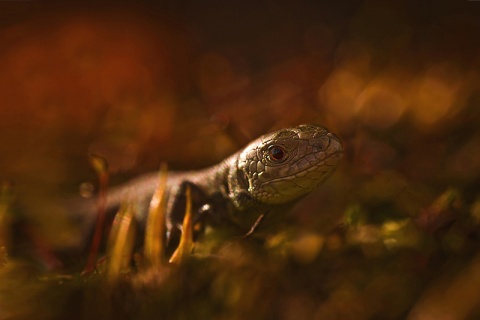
(276, 153)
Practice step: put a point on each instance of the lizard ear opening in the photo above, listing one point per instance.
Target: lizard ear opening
(242, 180)
(238, 189)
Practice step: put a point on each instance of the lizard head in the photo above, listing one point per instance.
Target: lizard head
(285, 165)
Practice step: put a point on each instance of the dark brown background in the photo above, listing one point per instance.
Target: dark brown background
(190, 82)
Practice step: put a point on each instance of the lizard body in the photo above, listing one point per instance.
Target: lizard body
(269, 173)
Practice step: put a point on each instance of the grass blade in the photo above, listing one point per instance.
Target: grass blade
(121, 242)
(154, 250)
(186, 240)
(101, 168)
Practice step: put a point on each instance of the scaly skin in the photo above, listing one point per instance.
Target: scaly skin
(272, 171)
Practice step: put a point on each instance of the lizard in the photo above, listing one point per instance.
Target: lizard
(268, 175)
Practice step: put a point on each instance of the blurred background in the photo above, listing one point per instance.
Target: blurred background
(395, 231)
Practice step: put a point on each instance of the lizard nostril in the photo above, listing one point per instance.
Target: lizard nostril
(320, 144)
(333, 136)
